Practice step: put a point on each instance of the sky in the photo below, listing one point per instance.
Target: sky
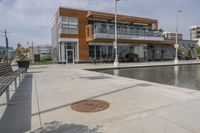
(29, 20)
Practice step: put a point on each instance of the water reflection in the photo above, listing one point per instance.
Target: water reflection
(187, 76)
(176, 69)
(116, 72)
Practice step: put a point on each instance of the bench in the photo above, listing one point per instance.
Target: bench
(8, 76)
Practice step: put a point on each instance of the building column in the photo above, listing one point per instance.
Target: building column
(63, 52)
(77, 51)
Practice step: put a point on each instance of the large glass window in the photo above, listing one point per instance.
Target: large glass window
(69, 25)
(110, 53)
(92, 51)
(104, 51)
(98, 52)
(126, 52)
(64, 28)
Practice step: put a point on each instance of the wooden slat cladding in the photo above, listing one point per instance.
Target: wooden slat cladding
(109, 16)
(82, 23)
(89, 33)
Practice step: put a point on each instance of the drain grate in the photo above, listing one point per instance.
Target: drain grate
(90, 106)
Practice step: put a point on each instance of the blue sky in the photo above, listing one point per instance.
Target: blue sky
(29, 20)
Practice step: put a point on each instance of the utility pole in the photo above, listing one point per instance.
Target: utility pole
(32, 52)
(6, 39)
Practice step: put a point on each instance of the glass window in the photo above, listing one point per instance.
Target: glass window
(73, 29)
(110, 53)
(72, 21)
(64, 19)
(91, 51)
(64, 28)
(104, 51)
(69, 25)
(98, 52)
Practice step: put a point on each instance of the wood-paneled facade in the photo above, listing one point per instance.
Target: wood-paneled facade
(86, 33)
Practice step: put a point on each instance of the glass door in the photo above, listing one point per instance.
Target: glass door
(69, 56)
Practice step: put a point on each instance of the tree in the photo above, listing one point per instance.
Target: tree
(198, 51)
(190, 54)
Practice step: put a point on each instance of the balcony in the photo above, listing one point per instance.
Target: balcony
(124, 32)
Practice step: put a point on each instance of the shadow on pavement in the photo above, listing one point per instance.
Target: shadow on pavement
(32, 72)
(38, 67)
(93, 97)
(58, 127)
(17, 116)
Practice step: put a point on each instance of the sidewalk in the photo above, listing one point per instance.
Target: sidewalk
(135, 105)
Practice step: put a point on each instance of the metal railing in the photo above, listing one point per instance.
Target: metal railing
(127, 31)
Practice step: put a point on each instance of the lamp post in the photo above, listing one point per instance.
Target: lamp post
(177, 45)
(116, 62)
(6, 40)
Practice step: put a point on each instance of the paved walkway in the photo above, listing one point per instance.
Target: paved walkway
(135, 106)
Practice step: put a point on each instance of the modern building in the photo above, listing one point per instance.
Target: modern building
(187, 48)
(172, 36)
(79, 35)
(195, 33)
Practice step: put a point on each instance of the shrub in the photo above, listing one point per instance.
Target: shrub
(190, 54)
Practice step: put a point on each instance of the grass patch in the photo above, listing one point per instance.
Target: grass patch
(46, 62)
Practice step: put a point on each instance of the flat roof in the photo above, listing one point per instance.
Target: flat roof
(194, 26)
(110, 16)
(172, 33)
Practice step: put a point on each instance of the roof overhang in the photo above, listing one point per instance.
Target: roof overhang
(109, 16)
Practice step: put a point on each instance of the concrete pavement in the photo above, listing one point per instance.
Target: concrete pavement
(135, 106)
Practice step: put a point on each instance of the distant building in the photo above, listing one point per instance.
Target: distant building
(186, 46)
(11, 52)
(172, 36)
(195, 33)
(43, 51)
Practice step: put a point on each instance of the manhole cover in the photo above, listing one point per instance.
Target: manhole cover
(90, 106)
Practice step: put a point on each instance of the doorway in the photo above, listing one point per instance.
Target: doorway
(69, 56)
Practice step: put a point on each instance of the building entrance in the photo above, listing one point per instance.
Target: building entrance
(69, 52)
(70, 56)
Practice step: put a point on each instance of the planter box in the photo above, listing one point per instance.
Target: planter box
(23, 64)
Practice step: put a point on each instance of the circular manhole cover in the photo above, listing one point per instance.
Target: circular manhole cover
(90, 106)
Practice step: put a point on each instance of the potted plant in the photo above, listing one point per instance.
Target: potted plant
(22, 57)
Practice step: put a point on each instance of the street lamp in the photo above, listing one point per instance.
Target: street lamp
(6, 38)
(116, 62)
(177, 45)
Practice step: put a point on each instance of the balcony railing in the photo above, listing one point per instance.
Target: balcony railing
(126, 32)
